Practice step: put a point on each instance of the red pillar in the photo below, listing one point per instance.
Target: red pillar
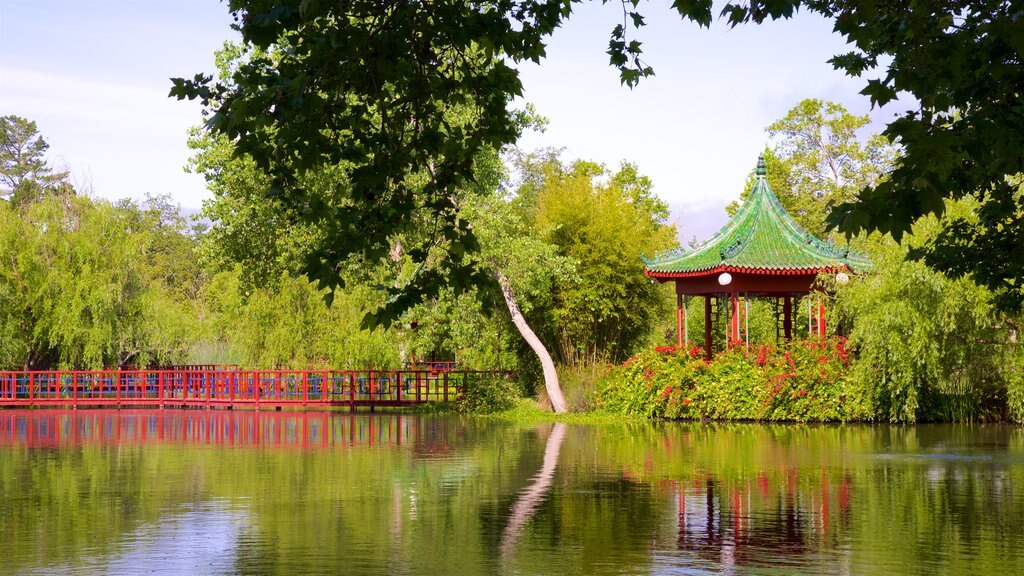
(707, 327)
(734, 319)
(787, 317)
(821, 318)
(680, 319)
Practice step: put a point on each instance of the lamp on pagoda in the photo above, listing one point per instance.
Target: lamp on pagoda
(842, 278)
(725, 279)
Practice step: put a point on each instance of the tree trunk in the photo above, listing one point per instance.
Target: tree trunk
(550, 377)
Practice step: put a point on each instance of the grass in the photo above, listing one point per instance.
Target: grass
(529, 411)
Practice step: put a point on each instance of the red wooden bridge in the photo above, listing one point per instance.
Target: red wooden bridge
(230, 388)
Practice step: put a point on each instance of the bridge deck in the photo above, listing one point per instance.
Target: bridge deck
(233, 388)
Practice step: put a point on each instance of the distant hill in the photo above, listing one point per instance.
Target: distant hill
(697, 222)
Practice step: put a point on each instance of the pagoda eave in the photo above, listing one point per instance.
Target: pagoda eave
(744, 279)
(665, 275)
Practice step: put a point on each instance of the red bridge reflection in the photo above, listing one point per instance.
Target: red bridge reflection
(300, 430)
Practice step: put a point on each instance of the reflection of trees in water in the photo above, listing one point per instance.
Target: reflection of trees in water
(752, 524)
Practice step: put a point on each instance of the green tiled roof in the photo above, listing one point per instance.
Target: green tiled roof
(761, 236)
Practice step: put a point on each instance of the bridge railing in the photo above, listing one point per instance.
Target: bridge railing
(278, 387)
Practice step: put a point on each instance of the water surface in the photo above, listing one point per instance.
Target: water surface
(219, 492)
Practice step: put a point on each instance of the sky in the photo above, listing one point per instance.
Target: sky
(94, 75)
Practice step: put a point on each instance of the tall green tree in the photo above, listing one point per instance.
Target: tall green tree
(929, 346)
(820, 159)
(824, 161)
(24, 172)
(525, 270)
(77, 291)
(602, 221)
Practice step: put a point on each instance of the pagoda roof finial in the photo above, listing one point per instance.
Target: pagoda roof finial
(761, 170)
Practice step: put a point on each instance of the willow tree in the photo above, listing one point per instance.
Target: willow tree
(77, 287)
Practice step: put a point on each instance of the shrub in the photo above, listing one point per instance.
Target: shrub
(487, 394)
(803, 381)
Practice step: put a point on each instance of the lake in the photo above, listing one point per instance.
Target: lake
(222, 492)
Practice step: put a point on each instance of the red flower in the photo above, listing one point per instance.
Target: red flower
(762, 356)
(841, 351)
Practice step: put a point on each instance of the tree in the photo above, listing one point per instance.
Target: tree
(929, 347)
(525, 270)
(23, 171)
(247, 228)
(77, 289)
(819, 161)
(372, 85)
(985, 245)
(826, 162)
(602, 221)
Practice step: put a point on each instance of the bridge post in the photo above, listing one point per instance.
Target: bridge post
(305, 388)
(351, 392)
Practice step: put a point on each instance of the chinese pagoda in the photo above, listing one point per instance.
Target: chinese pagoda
(761, 252)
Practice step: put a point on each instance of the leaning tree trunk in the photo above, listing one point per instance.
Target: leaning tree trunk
(550, 376)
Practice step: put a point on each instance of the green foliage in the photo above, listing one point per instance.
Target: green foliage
(601, 221)
(803, 381)
(480, 337)
(407, 100)
(1015, 386)
(247, 226)
(486, 395)
(80, 290)
(929, 346)
(406, 132)
(963, 66)
(985, 245)
(818, 161)
(573, 269)
(289, 325)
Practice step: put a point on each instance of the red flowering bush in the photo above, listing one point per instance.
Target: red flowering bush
(804, 381)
